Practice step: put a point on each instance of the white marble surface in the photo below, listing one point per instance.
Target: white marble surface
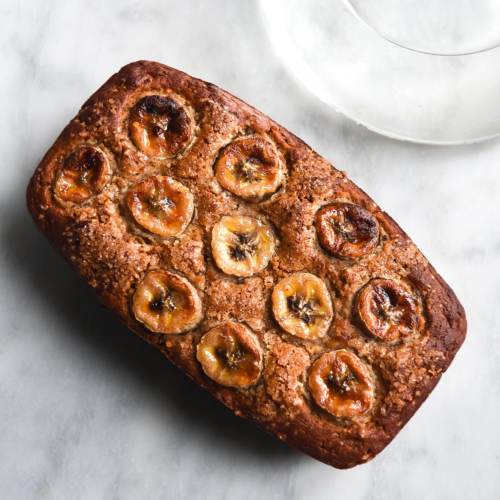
(89, 411)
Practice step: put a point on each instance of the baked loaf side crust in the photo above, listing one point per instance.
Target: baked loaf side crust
(106, 247)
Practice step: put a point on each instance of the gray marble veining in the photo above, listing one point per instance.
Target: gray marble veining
(89, 411)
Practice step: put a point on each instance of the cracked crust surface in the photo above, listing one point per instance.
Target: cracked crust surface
(112, 254)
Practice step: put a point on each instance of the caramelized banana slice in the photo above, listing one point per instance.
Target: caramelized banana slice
(160, 126)
(302, 306)
(249, 168)
(161, 205)
(231, 355)
(347, 230)
(341, 384)
(167, 303)
(83, 174)
(242, 245)
(388, 311)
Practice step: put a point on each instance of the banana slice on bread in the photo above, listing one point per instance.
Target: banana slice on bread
(388, 311)
(160, 126)
(230, 354)
(161, 205)
(249, 168)
(347, 230)
(83, 174)
(167, 303)
(242, 246)
(341, 384)
(302, 306)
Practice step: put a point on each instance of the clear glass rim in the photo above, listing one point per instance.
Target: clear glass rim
(354, 11)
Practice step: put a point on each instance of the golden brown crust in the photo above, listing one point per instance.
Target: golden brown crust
(112, 254)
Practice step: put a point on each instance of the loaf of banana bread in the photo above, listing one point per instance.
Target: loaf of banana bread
(256, 267)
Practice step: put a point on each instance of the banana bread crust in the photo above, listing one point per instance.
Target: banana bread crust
(105, 246)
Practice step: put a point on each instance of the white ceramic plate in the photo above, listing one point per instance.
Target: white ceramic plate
(401, 93)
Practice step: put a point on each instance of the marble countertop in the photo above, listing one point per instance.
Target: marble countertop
(89, 411)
